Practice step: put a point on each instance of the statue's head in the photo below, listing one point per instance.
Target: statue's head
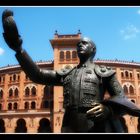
(86, 48)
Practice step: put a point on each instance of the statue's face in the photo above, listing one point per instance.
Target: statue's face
(84, 48)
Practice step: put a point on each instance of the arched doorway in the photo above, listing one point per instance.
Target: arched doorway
(21, 126)
(44, 126)
(2, 126)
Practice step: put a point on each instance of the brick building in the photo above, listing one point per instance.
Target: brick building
(33, 108)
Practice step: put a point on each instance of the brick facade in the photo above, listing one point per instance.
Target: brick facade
(31, 108)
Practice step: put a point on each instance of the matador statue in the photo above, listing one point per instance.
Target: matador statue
(85, 85)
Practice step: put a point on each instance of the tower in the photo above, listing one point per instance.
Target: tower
(65, 55)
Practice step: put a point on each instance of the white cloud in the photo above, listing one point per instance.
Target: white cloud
(129, 32)
(138, 11)
(1, 51)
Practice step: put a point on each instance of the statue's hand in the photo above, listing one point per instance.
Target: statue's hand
(99, 112)
(11, 36)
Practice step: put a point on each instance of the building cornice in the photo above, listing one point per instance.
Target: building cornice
(97, 61)
(118, 62)
(16, 66)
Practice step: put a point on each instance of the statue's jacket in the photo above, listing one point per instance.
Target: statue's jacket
(83, 85)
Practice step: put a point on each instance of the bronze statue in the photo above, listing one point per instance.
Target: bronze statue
(86, 110)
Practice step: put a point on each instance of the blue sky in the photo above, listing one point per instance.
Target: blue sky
(115, 31)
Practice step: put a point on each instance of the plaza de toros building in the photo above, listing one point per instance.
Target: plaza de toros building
(27, 107)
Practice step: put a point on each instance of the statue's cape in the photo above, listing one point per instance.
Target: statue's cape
(123, 104)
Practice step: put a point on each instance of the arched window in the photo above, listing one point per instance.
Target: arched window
(14, 77)
(125, 89)
(10, 93)
(15, 106)
(16, 92)
(138, 75)
(126, 74)
(33, 105)
(0, 106)
(10, 106)
(130, 75)
(133, 101)
(74, 54)
(68, 55)
(10, 78)
(26, 105)
(18, 77)
(131, 89)
(1, 93)
(33, 91)
(27, 91)
(61, 55)
(122, 74)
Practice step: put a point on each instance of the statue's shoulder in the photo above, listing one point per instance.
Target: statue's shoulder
(65, 71)
(104, 71)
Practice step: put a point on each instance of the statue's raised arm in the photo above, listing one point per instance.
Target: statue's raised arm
(11, 34)
(14, 41)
